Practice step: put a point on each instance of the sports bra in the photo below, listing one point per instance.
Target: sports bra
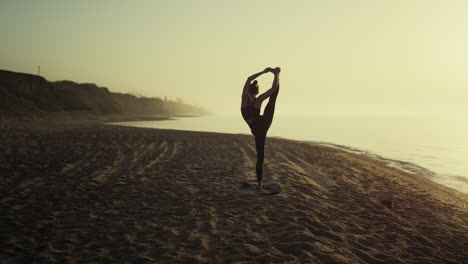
(250, 112)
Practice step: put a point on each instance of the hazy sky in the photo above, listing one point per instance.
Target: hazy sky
(337, 56)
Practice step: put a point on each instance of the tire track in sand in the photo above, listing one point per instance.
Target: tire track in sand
(74, 168)
(303, 172)
(120, 162)
(249, 154)
(164, 153)
(160, 151)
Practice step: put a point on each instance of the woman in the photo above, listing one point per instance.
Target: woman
(250, 109)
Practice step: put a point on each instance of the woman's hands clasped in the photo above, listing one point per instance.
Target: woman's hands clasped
(273, 70)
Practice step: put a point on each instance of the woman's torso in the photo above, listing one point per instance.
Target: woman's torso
(251, 112)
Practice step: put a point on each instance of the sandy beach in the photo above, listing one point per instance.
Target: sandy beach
(86, 192)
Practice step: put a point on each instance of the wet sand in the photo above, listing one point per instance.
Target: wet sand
(83, 192)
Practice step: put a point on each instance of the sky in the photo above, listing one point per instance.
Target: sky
(337, 56)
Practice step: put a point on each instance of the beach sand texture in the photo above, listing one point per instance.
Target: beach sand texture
(79, 192)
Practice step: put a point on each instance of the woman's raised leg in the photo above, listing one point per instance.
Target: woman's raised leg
(270, 108)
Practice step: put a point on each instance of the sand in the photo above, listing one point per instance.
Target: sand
(84, 192)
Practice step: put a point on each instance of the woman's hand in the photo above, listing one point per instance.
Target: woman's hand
(269, 69)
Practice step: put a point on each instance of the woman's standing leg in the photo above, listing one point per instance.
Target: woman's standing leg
(260, 139)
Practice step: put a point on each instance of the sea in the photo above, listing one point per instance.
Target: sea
(438, 143)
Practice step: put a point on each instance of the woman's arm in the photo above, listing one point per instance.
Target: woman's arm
(270, 91)
(245, 91)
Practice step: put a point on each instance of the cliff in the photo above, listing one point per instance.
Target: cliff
(26, 93)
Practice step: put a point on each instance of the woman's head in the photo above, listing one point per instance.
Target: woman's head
(253, 88)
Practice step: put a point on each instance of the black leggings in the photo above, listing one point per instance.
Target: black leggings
(259, 129)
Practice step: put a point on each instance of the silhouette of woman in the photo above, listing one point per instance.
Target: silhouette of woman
(259, 124)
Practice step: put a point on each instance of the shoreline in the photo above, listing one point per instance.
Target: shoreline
(114, 119)
(92, 192)
(406, 166)
(77, 116)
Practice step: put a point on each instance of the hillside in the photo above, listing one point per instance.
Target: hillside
(26, 93)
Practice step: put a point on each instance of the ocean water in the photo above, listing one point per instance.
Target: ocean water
(435, 142)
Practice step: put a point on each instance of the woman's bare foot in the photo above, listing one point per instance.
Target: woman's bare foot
(259, 185)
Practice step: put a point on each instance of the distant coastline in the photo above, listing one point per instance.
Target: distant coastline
(26, 95)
